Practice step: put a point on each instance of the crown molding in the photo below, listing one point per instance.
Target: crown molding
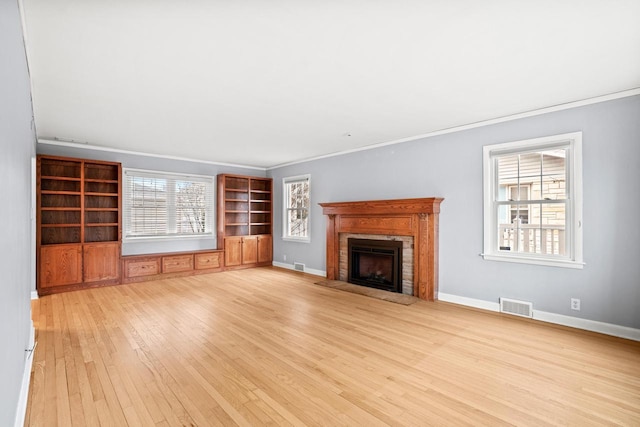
(551, 109)
(86, 146)
(575, 104)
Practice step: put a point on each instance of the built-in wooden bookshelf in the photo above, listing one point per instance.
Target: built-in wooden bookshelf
(245, 220)
(78, 223)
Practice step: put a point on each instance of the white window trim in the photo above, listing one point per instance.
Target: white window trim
(125, 208)
(574, 205)
(286, 181)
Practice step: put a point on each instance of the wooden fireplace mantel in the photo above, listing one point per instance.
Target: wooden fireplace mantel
(401, 217)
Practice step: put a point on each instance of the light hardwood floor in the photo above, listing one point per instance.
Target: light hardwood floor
(266, 346)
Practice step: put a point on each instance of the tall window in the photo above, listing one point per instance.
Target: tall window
(533, 201)
(296, 208)
(159, 204)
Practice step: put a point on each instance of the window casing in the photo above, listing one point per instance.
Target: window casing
(533, 201)
(166, 205)
(297, 196)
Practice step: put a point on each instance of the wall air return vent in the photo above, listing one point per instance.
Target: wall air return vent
(515, 307)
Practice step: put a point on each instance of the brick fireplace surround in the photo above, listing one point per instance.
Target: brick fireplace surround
(417, 218)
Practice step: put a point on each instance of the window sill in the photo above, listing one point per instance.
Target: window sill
(297, 239)
(164, 238)
(534, 261)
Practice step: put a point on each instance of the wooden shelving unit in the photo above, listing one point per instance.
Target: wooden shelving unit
(78, 223)
(245, 220)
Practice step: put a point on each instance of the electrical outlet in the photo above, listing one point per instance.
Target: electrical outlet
(285, 257)
(575, 304)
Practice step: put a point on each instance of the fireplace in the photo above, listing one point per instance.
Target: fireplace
(376, 264)
(414, 218)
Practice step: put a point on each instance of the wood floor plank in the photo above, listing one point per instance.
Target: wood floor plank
(267, 347)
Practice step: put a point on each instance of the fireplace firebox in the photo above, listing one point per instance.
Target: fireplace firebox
(375, 263)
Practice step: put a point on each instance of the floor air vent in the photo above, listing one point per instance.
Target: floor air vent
(298, 266)
(515, 307)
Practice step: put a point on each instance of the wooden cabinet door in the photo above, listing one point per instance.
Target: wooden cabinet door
(101, 262)
(265, 248)
(232, 251)
(60, 265)
(250, 249)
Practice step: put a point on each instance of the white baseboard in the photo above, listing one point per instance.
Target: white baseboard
(34, 295)
(558, 319)
(469, 302)
(21, 410)
(306, 269)
(588, 325)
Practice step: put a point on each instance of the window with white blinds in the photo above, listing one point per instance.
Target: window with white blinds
(161, 204)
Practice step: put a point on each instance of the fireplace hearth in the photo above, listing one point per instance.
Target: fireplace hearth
(375, 263)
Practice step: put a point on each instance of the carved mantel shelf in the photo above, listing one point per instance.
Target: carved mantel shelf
(402, 217)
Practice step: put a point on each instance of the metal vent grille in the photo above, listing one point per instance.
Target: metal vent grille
(298, 266)
(515, 307)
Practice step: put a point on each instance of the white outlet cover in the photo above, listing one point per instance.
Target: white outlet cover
(575, 304)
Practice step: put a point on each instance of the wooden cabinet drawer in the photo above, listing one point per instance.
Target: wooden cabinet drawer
(207, 260)
(142, 267)
(176, 263)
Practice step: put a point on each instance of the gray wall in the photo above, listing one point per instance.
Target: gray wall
(17, 147)
(157, 164)
(450, 166)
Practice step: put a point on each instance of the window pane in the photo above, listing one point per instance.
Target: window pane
(506, 229)
(553, 229)
(299, 195)
(530, 167)
(148, 201)
(297, 220)
(554, 175)
(514, 227)
(190, 207)
(542, 233)
(537, 175)
(507, 168)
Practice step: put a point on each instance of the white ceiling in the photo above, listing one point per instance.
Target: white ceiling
(264, 83)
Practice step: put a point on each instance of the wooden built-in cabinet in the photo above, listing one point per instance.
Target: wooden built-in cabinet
(79, 211)
(245, 220)
(247, 250)
(78, 228)
(138, 268)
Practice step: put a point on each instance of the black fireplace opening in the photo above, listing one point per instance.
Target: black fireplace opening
(376, 264)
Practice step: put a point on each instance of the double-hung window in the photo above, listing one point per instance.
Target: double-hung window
(297, 198)
(161, 204)
(533, 201)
